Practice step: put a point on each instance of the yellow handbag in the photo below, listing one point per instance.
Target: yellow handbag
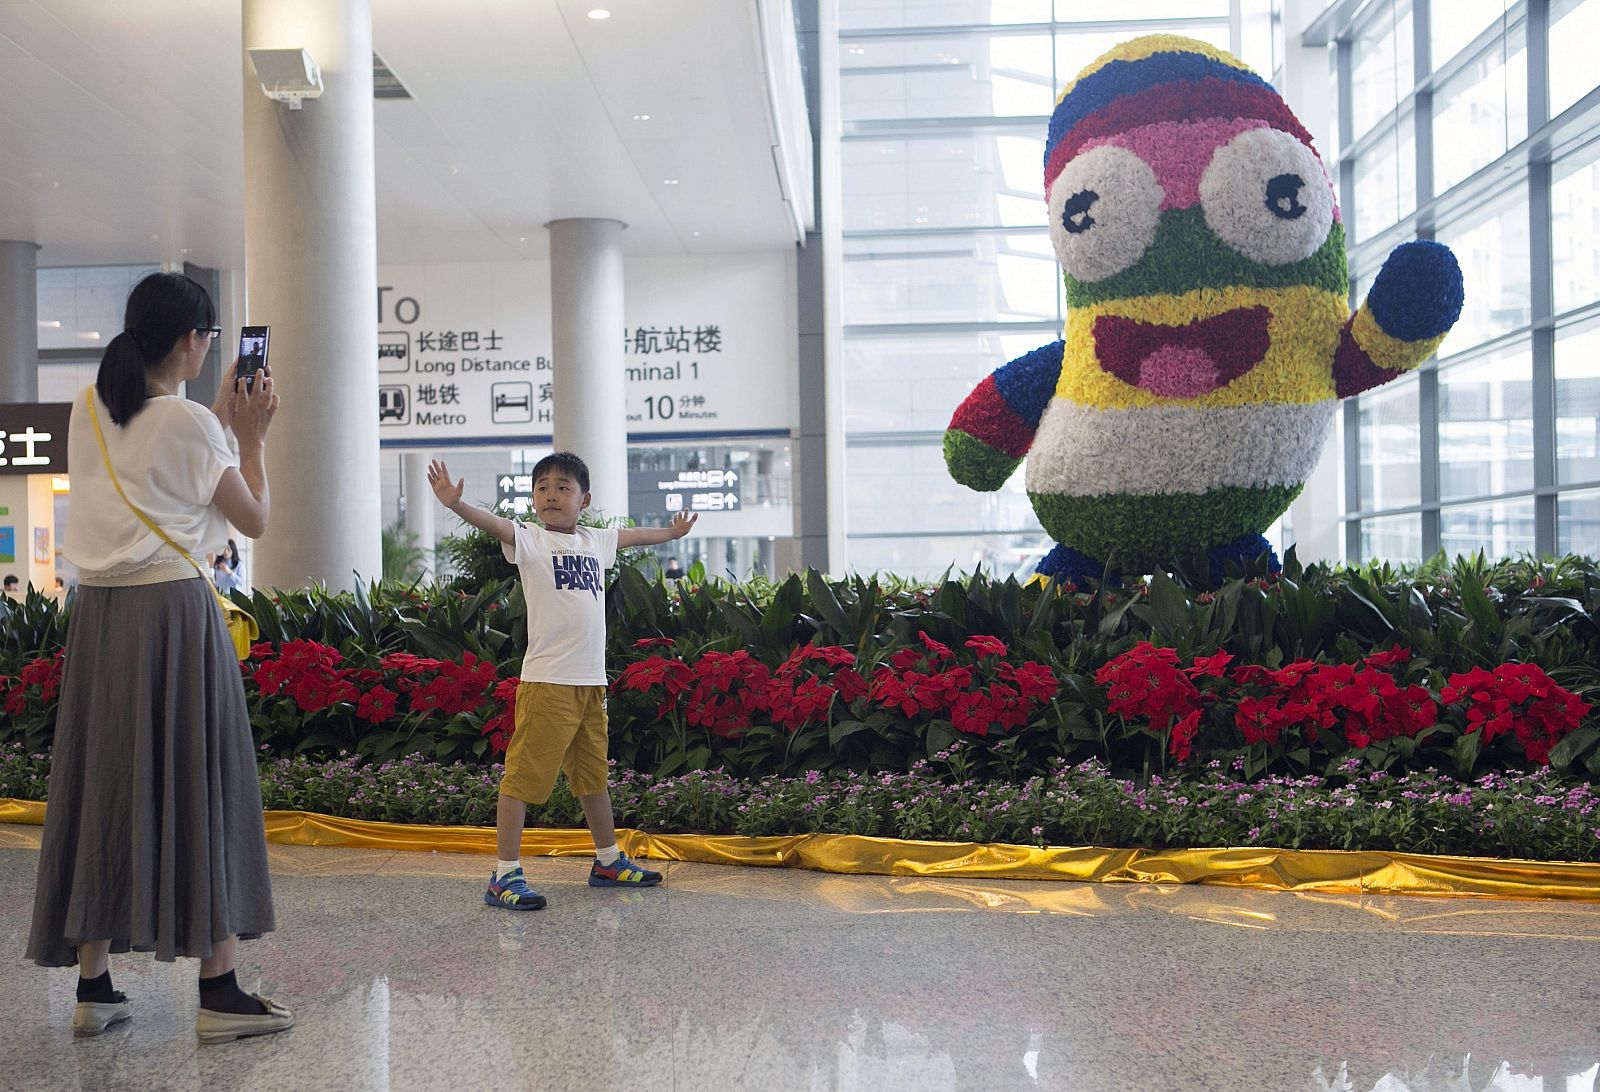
(241, 627)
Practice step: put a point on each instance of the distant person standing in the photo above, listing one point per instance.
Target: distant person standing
(226, 579)
(153, 840)
(12, 589)
(235, 564)
(674, 571)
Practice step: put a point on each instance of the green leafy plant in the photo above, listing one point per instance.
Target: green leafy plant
(1455, 619)
(404, 560)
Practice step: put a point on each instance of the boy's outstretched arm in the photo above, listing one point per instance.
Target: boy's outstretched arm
(450, 496)
(650, 536)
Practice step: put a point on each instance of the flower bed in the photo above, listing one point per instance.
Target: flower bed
(1537, 816)
(1385, 710)
(1470, 668)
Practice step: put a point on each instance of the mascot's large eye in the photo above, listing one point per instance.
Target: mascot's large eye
(1104, 206)
(1265, 195)
(1075, 213)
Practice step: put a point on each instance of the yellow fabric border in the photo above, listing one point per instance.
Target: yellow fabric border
(1325, 870)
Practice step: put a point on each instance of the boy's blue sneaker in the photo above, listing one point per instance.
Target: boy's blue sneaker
(622, 873)
(512, 892)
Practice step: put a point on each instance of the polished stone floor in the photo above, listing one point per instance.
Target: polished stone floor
(740, 978)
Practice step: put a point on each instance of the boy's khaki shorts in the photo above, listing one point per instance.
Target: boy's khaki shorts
(558, 728)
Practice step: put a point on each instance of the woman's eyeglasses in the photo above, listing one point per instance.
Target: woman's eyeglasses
(208, 331)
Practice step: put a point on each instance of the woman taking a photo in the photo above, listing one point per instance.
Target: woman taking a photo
(153, 837)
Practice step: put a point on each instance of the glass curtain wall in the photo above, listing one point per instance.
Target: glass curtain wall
(948, 268)
(1477, 123)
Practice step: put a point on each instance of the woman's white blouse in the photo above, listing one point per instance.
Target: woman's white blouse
(169, 457)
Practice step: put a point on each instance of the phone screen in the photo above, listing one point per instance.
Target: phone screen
(252, 353)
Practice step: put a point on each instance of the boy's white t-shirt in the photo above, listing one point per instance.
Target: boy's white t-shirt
(564, 584)
(169, 457)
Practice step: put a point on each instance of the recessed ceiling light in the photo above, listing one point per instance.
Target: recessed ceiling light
(669, 181)
(90, 335)
(599, 13)
(183, 250)
(696, 235)
(857, 50)
(50, 324)
(641, 117)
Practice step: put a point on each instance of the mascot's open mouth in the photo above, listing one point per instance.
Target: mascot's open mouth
(1183, 361)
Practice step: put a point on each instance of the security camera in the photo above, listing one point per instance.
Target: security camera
(287, 75)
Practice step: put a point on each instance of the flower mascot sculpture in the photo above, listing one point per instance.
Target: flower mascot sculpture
(1208, 335)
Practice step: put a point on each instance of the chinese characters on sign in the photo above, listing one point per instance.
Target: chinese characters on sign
(449, 341)
(649, 339)
(33, 438)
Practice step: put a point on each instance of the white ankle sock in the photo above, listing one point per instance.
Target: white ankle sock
(502, 867)
(608, 854)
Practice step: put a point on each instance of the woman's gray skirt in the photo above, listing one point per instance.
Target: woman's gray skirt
(153, 833)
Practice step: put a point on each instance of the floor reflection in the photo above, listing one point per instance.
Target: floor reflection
(778, 979)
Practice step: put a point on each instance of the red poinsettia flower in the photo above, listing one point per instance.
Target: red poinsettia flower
(674, 675)
(1037, 681)
(984, 645)
(1393, 657)
(906, 659)
(939, 651)
(1146, 682)
(1518, 700)
(1215, 666)
(377, 705)
(1183, 734)
(850, 684)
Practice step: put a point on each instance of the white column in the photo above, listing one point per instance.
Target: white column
(831, 224)
(1309, 90)
(311, 274)
(590, 395)
(19, 321)
(420, 504)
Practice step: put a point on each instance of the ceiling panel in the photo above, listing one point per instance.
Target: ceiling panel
(120, 126)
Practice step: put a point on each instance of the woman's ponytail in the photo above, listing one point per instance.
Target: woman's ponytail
(161, 309)
(121, 380)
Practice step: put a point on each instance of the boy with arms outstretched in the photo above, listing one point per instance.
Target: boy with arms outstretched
(560, 710)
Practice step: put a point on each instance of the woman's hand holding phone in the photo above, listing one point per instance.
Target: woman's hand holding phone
(252, 410)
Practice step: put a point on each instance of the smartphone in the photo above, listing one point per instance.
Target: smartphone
(252, 353)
